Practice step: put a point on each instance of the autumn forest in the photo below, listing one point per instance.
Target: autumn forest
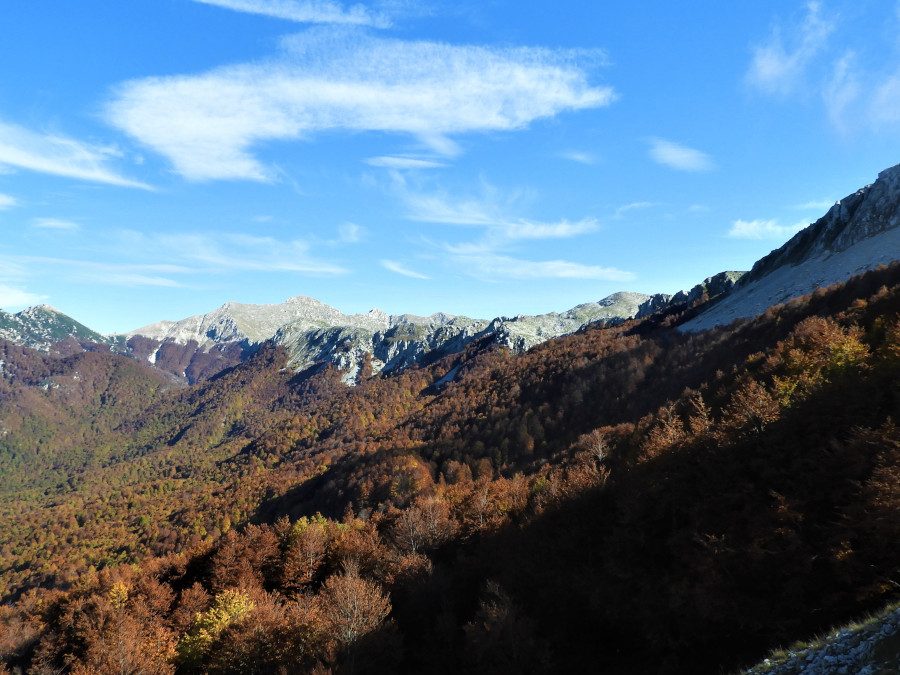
(630, 498)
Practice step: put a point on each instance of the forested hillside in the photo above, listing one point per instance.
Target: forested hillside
(624, 499)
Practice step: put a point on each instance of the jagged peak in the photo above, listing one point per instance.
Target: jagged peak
(890, 174)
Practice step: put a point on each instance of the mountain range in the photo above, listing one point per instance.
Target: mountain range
(676, 484)
(858, 233)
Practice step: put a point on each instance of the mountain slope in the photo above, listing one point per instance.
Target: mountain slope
(622, 498)
(858, 233)
(41, 327)
(626, 499)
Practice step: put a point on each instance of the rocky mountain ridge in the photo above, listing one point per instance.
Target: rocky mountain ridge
(860, 232)
(315, 334)
(409, 339)
(708, 289)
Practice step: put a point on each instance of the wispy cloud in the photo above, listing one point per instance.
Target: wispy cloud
(841, 91)
(440, 208)
(632, 206)
(7, 201)
(55, 224)
(16, 298)
(885, 105)
(677, 156)
(128, 274)
(60, 156)
(493, 266)
(489, 214)
(763, 229)
(350, 233)
(561, 229)
(238, 252)
(858, 82)
(129, 258)
(815, 205)
(579, 156)
(126, 279)
(490, 257)
(779, 64)
(400, 268)
(306, 11)
(856, 98)
(395, 162)
(208, 124)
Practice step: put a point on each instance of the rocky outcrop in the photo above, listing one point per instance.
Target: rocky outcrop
(708, 289)
(871, 211)
(253, 324)
(868, 648)
(655, 303)
(315, 334)
(857, 234)
(408, 339)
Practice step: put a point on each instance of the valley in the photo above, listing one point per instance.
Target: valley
(641, 483)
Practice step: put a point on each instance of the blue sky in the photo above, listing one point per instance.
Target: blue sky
(158, 158)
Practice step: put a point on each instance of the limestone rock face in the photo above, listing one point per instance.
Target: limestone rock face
(857, 234)
(315, 334)
(867, 213)
(655, 303)
(408, 339)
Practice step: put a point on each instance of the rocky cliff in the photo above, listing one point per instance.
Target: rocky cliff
(315, 334)
(858, 233)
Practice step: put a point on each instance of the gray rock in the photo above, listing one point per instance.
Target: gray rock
(315, 334)
(857, 234)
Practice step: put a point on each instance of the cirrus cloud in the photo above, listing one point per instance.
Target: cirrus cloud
(207, 125)
(488, 257)
(400, 162)
(779, 64)
(55, 224)
(305, 11)
(60, 155)
(680, 157)
(763, 229)
(493, 266)
(857, 79)
(579, 156)
(403, 270)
